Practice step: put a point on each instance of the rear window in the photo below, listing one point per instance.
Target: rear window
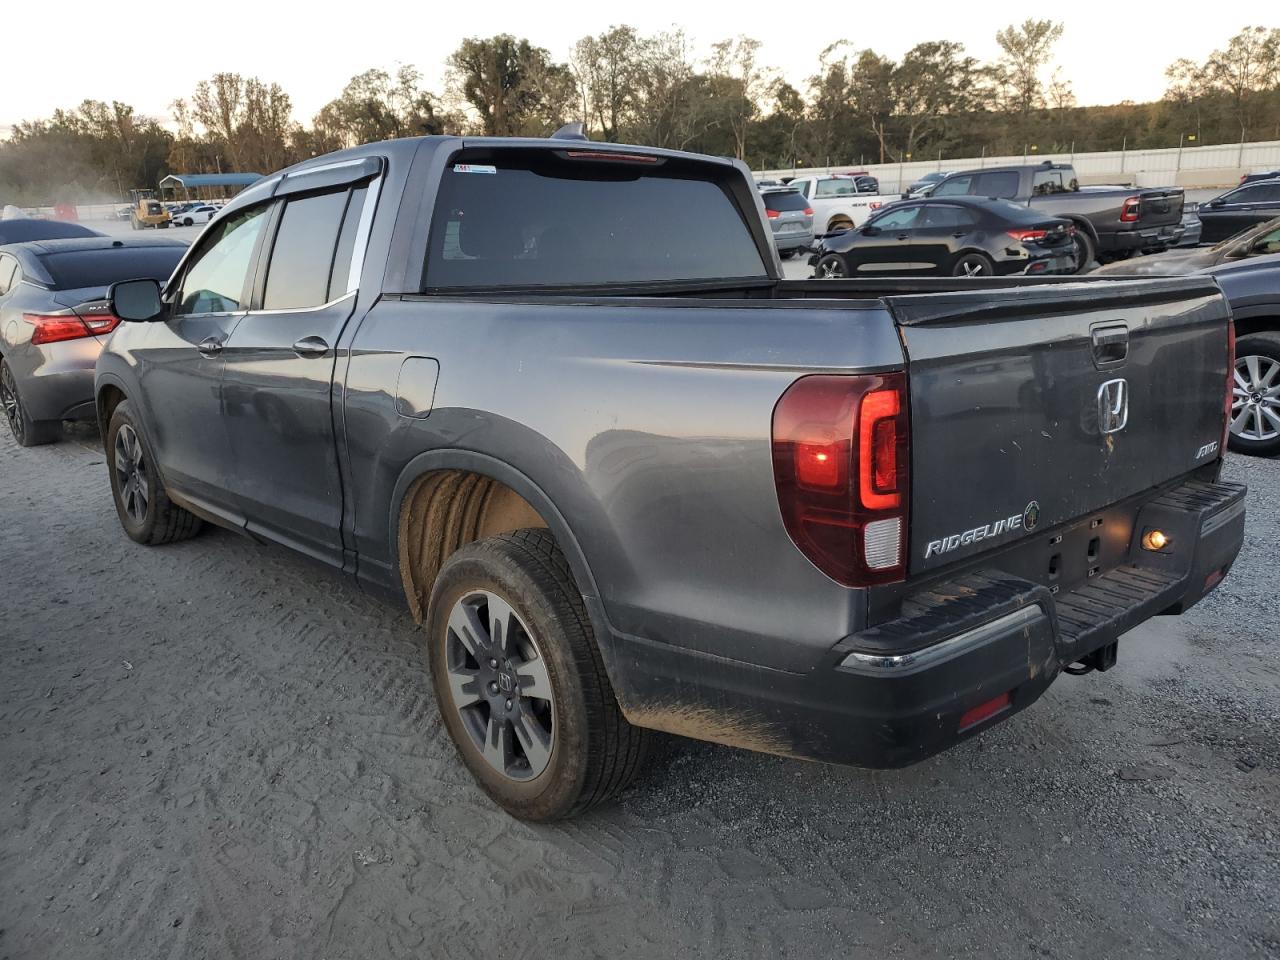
(100, 268)
(784, 201)
(521, 218)
(1003, 183)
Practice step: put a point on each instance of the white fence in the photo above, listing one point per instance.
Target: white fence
(1191, 166)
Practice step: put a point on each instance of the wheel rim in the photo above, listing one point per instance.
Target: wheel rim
(499, 685)
(131, 473)
(1255, 399)
(971, 268)
(831, 269)
(12, 405)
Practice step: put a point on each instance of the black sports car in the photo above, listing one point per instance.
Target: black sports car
(952, 236)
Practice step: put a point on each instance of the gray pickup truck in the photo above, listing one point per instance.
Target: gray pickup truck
(556, 397)
(1111, 222)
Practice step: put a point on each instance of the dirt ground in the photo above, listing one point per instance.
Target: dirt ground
(216, 749)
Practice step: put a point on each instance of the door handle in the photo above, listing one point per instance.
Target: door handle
(311, 347)
(904, 236)
(209, 347)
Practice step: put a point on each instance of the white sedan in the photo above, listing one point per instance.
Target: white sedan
(194, 215)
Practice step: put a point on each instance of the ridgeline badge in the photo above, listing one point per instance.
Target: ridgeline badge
(1029, 519)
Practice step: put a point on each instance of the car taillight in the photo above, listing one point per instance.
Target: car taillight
(1231, 386)
(808, 211)
(841, 448)
(1027, 235)
(54, 328)
(771, 214)
(1131, 210)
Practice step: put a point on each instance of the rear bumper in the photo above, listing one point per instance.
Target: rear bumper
(898, 692)
(1147, 239)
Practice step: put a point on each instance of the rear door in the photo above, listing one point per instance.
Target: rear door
(1034, 406)
(279, 363)
(943, 227)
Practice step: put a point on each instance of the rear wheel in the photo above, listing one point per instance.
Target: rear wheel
(27, 432)
(1085, 250)
(839, 223)
(145, 510)
(831, 267)
(1255, 402)
(520, 683)
(972, 265)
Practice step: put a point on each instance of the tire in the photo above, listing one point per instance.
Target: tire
(1086, 250)
(585, 751)
(788, 254)
(1255, 406)
(839, 223)
(186, 222)
(831, 267)
(27, 432)
(973, 265)
(147, 514)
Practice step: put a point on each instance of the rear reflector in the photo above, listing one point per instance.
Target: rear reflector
(1213, 579)
(985, 711)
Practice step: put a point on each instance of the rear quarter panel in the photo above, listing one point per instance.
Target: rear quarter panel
(647, 425)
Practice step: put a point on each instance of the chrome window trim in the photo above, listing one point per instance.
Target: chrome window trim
(363, 229)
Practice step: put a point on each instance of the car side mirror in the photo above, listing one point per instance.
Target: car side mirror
(1216, 202)
(136, 300)
(870, 231)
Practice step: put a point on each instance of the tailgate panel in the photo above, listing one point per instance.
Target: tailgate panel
(1006, 435)
(1160, 208)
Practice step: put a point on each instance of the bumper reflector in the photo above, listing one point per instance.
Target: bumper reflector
(984, 711)
(882, 543)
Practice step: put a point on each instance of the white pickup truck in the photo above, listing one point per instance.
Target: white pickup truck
(836, 202)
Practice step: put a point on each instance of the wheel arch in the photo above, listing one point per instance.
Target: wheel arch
(463, 512)
(110, 394)
(1262, 323)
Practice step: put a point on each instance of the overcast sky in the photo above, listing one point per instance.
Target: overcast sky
(61, 52)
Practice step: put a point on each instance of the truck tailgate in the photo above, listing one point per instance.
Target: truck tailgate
(1160, 208)
(1032, 406)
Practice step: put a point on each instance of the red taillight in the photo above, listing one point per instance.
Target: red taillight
(1027, 235)
(1131, 210)
(808, 211)
(840, 460)
(1231, 386)
(56, 328)
(985, 711)
(771, 214)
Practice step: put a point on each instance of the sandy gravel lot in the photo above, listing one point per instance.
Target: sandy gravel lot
(215, 749)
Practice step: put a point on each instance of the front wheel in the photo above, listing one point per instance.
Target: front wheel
(831, 267)
(1255, 401)
(187, 222)
(520, 683)
(145, 510)
(973, 265)
(27, 432)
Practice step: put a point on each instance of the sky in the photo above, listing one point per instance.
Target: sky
(105, 50)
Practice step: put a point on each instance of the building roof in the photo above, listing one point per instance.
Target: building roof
(210, 179)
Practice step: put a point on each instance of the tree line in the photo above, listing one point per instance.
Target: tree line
(857, 107)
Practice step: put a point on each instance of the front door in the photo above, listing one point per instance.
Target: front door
(180, 361)
(278, 380)
(891, 251)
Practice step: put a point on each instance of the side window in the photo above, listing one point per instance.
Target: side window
(947, 217)
(897, 219)
(1270, 193)
(1002, 184)
(302, 256)
(953, 187)
(1246, 195)
(215, 276)
(8, 270)
(346, 243)
(804, 186)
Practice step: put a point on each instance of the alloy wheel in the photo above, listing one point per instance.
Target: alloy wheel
(131, 473)
(1255, 401)
(12, 404)
(831, 269)
(500, 686)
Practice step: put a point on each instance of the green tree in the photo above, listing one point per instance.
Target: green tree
(606, 70)
(515, 88)
(1027, 49)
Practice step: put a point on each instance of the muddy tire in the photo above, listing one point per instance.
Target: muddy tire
(520, 682)
(145, 510)
(27, 432)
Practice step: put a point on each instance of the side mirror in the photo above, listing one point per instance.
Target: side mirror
(870, 231)
(1216, 202)
(136, 300)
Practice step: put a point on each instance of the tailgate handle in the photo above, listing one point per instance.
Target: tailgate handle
(1110, 344)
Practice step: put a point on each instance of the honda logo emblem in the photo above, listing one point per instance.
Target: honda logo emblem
(1113, 406)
